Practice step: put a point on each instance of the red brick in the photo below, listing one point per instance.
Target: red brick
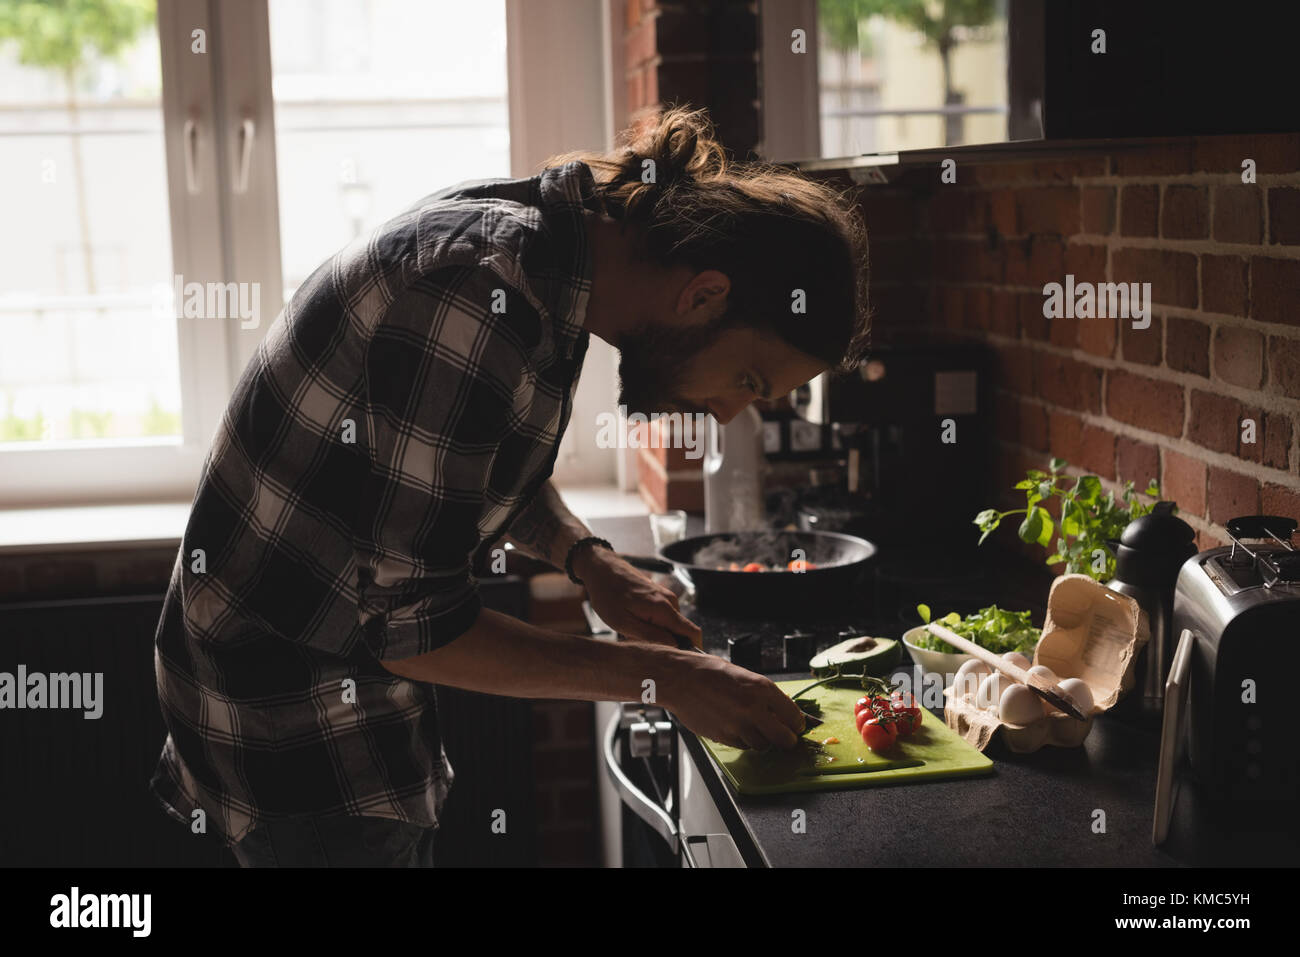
(1033, 324)
(1033, 426)
(1185, 212)
(1138, 462)
(1144, 346)
(896, 260)
(1238, 214)
(1070, 383)
(1172, 275)
(1251, 451)
(1017, 367)
(1224, 283)
(1284, 365)
(634, 86)
(1280, 500)
(1099, 336)
(1004, 312)
(1277, 441)
(639, 44)
(1187, 346)
(1215, 422)
(1206, 540)
(1239, 356)
(1066, 170)
(887, 212)
(1147, 403)
(1035, 261)
(1162, 159)
(1049, 209)
(1087, 446)
(1231, 494)
(1275, 290)
(1098, 209)
(1183, 481)
(964, 260)
(1002, 211)
(1087, 261)
(1064, 332)
(1272, 153)
(1139, 208)
(959, 211)
(1284, 215)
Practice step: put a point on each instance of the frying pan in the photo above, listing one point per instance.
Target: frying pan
(841, 562)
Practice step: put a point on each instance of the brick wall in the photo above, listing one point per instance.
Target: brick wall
(696, 52)
(564, 743)
(701, 53)
(1167, 402)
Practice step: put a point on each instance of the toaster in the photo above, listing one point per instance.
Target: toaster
(1237, 609)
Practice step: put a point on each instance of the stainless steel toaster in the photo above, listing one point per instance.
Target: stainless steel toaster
(1239, 610)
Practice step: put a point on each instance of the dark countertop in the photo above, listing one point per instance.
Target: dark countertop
(1044, 808)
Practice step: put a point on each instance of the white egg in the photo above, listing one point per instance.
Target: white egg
(1017, 659)
(1019, 705)
(991, 689)
(968, 678)
(1079, 692)
(1043, 672)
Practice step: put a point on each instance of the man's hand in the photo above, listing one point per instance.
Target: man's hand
(719, 700)
(630, 602)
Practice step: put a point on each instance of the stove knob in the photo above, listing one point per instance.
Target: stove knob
(647, 739)
(746, 651)
(798, 649)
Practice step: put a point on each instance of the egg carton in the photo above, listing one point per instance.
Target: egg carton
(1092, 634)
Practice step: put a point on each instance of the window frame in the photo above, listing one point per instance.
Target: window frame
(222, 234)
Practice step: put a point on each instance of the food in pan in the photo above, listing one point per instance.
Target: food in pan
(796, 565)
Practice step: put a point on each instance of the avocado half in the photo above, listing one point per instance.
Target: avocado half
(861, 655)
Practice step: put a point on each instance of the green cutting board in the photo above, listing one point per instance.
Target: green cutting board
(934, 751)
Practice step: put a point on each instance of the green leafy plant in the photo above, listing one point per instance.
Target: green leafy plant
(1090, 521)
(993, 628)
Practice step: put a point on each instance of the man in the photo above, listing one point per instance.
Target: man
(405, 410)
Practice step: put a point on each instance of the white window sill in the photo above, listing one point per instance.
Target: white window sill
(162, 524)
(92, 528)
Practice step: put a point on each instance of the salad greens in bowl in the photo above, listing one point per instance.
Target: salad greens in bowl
(994, 628)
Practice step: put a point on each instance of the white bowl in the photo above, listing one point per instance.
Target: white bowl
(936, 662)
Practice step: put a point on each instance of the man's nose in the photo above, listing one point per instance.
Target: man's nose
(724, 410)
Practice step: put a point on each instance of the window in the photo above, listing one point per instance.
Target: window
(223, 149)
(883, 76)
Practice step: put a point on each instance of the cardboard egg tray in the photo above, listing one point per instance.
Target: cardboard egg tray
(1091, 633)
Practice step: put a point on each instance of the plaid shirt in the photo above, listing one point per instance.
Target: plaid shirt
(401, 411)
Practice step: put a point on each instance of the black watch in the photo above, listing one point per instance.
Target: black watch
(568, 559)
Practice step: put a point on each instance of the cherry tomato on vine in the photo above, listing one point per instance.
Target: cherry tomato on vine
(879, 734)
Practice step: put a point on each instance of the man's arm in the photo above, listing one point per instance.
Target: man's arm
(546, 529)
(626, 600)
(712, 697)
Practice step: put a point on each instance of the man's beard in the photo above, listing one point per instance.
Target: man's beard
(653, 360)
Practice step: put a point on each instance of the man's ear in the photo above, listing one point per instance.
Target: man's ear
(703, 291)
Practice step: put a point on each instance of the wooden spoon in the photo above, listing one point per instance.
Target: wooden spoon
(1048, 690)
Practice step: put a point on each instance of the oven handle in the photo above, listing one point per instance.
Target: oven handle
(632, 796)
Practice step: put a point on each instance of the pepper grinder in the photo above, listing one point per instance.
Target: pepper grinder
(1150, 555)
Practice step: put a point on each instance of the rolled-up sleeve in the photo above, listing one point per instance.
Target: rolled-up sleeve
(442, 371)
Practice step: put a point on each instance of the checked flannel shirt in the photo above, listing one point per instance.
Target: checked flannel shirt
(447, 345)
